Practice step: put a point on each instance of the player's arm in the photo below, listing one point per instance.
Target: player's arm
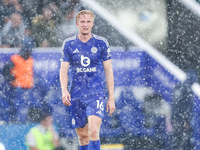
(6, 71)
(110, 84)
(56, 141)
(66, 97)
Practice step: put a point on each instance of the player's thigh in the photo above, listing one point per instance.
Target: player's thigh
(82, 132)
(94, 122)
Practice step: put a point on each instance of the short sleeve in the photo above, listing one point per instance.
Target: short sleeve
(30, 139)
(65, 56)
(106, 53)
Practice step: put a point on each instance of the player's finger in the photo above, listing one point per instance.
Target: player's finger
(111, 111)
(69, 97)
(66, 101)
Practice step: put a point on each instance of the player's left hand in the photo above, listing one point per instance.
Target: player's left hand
(110, 106)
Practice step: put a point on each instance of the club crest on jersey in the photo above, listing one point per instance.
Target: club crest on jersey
(73, 121)
(93, 49)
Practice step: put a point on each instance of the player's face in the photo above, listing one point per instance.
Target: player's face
(85, 24)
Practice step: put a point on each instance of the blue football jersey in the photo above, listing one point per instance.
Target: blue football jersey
(86, 66)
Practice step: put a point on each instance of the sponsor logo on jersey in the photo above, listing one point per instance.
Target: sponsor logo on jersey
(93, 69)
(99, 112)
(93, 49)
(85, 61)
(62, 55)
(109, 52)
(76, 51)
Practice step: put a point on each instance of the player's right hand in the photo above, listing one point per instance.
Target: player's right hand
(66, 98)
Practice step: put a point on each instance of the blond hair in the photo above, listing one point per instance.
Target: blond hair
(83, 12)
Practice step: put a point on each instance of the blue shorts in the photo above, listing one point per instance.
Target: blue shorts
(81, 109)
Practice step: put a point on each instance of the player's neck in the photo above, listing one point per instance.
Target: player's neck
(84, 38)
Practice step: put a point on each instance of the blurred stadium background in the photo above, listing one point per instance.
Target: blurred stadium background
(155, 47)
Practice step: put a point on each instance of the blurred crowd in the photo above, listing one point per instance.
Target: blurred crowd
(46, 22)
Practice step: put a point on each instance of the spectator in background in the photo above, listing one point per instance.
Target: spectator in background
(31, 8)
(43, 136)
(12, 34)
(7, 7)
(76, 3)
(34, 8)
(43, 27)
(18, 72)
(17, 5)
(67, 27)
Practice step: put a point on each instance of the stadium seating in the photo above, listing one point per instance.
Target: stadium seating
(131, 115)
(7, 94)
(111, 128)
(132, 120)
(4, 109)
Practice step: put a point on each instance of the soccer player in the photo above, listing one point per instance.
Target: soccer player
(87, 56)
